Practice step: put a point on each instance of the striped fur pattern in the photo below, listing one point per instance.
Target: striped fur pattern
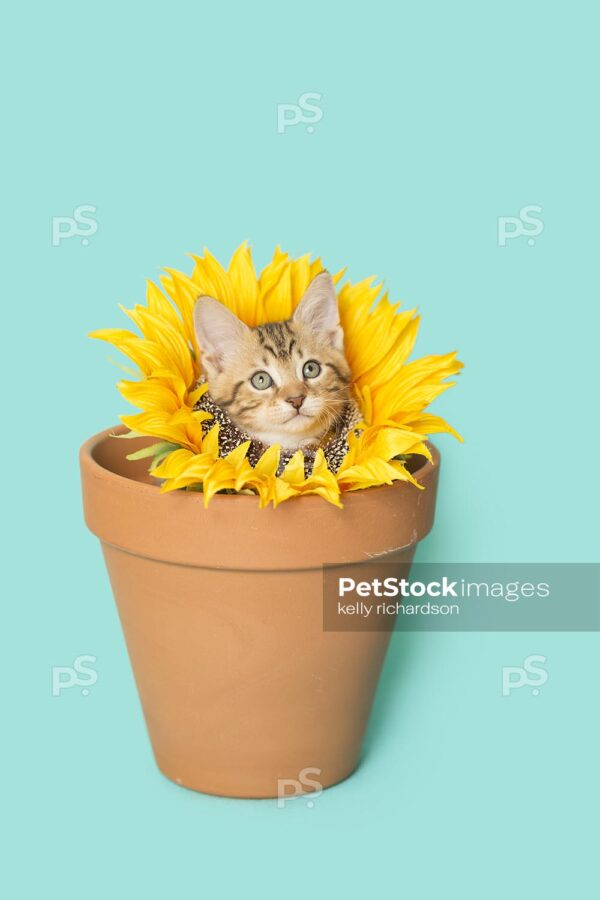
(284, 383)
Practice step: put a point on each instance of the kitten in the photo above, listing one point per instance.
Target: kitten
(284, 383)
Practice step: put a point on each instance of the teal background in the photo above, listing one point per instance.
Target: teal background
(437, 119)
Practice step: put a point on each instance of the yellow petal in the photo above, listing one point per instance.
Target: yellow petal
(210, 442)
(244, 285)
(294, 470)
(236, 457)
(269, 462)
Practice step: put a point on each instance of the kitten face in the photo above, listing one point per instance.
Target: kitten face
(284, 382)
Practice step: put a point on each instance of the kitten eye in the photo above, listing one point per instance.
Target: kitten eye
(311, 369)
(261, 381)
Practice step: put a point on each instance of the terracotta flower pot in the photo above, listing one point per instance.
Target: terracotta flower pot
(222, 613)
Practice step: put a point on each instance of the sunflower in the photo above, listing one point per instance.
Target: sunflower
(391, 392)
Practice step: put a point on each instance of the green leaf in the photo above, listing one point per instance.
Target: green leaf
(163, 447)
(129, 435)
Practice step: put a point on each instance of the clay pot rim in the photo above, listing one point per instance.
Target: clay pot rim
(87, 459)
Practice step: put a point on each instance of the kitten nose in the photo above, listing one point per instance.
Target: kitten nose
(296, 401)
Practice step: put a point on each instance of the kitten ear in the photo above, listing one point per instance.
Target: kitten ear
(218, 331)
(318, 310)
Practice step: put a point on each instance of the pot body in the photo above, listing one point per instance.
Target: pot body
(244, 693)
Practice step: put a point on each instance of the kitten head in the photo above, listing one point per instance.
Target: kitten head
(284, 382)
